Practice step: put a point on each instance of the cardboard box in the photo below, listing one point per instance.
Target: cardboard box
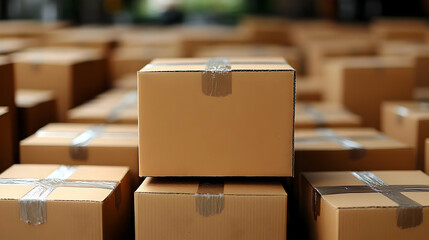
(113, 106)
(128, 81)
(291, 54)
(74, 74)
(421, 94)
(82, 202)
(28, 28)
(317, 52)
(361, 84)
(418, 51)
(427, 152)
(11, 45)
(366, 205)
(6, 140)
(268, 30)
(178, 208)
(400, 29)
(308, 89)
(36, 108)
(349, 149)
(84, 144)
(408, 122)
(216, 117)
(325, 114)
(128, 60)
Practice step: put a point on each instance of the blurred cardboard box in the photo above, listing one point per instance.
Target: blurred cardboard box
(400, 29)
(361, 84)
(216, 117)
(74, 74)
(418, 51)
(128, 81)
(28, 28)
(318, 115)
(408, 122)
(65, 202)
(11, 45)
(36, 108)
(421, 94)
(427, 152)
(129, 60)
(147, 37)
(6, 140)
(308, 89)
(365, 205)
(291, 54)
(319, 51)
(84, 144)
(349, 149)
(113, 106)
(177, 208)
(266, 30)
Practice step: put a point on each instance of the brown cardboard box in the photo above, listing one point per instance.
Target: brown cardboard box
(128, 60)
(308, 89)
(267, 30)
(349, 149)
(427, 152)
(317, 52)
(291, 54)
(113, 106)
(92, 202)
(408, 122)
(6, 140)
(11, 45)
(128, 81)
(400, 29)
(150, 37)
(84, 144)
(361, 84)
(74, 74)
(177, 208)
(421, 94)
(233, 120)
(28, 28)
(366, 205)
(36, 108)
(325, 114)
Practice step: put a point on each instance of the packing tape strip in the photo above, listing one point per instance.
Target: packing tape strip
(78, 149)
(217, 77)
(402, 111)
(409, 212)
(209, 199)
(32, 206)
(356, 149)
(128, 100)
(319, 118)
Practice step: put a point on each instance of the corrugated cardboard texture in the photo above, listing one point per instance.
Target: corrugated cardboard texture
(313, 152)
(184, 132)
(105, 149)
(408, 122)
(6, 140)
(312, 115)
(165, 208)
(74, 74)
(105, 105)
(360, 84)
(72, 213)
(36, 108)
(361, 215)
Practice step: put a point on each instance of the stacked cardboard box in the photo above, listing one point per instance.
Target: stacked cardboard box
(319, 115)
(6, 139)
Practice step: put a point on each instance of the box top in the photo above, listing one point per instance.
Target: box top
(9, 45)
(324, 113)
(336, 138)
(373, 62)
(419, 110)
(230, 186)
(32, 97)
(63, 134)
(258, 64)
(3, 110)
(56, 55)
(250, 50)
(368, 199)
(63, 193)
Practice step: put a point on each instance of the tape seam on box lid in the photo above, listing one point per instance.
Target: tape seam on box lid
(209, 198)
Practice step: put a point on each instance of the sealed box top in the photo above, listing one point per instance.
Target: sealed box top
(10, 45)
(372, 62)
(32, 97)
(324, 115)
(418, 110)
(338, 138)
(256, 64)
(57, 55)
(229, 187)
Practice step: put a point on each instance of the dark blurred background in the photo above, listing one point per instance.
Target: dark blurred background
(206, 11)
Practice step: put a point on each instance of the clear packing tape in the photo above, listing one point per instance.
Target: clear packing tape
(127, 101)
(402, 111)
(78, 146)
(32, 205)
(209, 199)
(409, 213)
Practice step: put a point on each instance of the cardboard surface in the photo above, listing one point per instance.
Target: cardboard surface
(361, 215)
(11, 45)
(118, 105)
(74, 74)
(252, 209)
(313, 115)
(247, 133)
(72, 212)
(308, 89)
(6, 139)
(36, 108)
(359, 84)
(109, 148)
(408, 122)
